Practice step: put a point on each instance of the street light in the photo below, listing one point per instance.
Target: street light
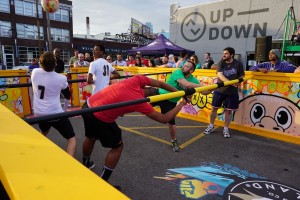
(48, 32)
(38, 27)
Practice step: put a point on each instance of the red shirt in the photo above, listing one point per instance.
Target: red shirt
(144, 62)
(131, 62)
(129, 89)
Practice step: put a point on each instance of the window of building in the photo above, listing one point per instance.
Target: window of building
(4, 6)
(64, 15)
(21, 31)
(5, 29)
(29, 31)
(60, 15)
(65, 55)
(27, 8)
(8, 56)
(26, 54)
(57, 15)
(60, 35)
(66, 35)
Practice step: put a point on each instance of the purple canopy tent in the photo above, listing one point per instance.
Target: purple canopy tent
(159, 47)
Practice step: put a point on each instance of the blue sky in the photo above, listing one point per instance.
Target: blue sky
(114, 15)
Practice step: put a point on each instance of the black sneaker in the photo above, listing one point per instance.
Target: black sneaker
(175, 146)
(90, 164)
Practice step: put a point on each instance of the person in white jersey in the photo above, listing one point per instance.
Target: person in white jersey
(47, 86)
(100, 71)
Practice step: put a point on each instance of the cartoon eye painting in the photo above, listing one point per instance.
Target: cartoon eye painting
(269, 112)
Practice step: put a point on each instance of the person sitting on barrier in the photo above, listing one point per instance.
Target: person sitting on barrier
(102, 125)
(47, 86)
(180, 79)
(228, 69)
(275, 64)
(34, 64)
(100, 71)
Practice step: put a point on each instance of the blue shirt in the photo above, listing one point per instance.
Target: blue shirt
(280, 66)
(31, 67)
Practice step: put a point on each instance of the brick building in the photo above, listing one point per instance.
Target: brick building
(19, 31)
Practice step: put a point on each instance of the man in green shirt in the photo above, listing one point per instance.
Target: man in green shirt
(180, 79)
(73, 59)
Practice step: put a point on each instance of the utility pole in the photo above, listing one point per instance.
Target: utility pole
(38, 26)
(49, 32)
(1, 57)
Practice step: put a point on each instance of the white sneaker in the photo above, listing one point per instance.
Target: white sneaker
(209, 129)
(226, 133)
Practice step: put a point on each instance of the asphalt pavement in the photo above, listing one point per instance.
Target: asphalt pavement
(207, 167)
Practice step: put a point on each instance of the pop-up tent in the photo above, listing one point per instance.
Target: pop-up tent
(159, 47)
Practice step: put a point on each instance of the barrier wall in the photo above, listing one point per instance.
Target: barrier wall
(15, 99)
(31, 167)
(269, 103)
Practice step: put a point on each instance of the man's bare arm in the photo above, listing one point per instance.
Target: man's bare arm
(115, 75)
(89, 79)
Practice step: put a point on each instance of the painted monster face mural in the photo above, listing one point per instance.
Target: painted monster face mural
(269, 112)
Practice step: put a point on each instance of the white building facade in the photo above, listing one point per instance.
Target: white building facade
(213, 26)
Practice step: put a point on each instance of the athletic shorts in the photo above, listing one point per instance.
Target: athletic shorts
(109, 134)
(231, 101)
(166, 106)
(63, 126)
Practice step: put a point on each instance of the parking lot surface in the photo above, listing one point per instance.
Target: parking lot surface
(207, 167)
